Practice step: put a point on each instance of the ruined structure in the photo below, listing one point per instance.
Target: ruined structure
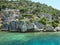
(12, 23)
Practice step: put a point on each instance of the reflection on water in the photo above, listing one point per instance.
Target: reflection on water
(29, 38)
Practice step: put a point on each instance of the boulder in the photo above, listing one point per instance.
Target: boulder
(30, 26)
(23, 26)
(57, 28)
(12, 26)
(26, 26)
(38, 26)
(49, 29)
(5, 27)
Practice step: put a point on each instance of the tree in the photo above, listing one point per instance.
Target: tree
(43, 21)
(54, 24)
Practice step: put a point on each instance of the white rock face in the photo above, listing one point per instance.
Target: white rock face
(57, 28)
(36, 28)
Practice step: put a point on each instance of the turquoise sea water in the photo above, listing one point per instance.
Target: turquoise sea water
(37, 38)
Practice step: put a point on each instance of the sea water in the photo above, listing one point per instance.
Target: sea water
(34, 38)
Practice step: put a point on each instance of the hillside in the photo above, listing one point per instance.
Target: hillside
(29, 7)
(35, 9)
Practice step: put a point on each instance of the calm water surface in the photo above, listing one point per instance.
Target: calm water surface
(37, 38)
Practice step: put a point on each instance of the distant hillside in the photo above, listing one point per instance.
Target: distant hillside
(29, 7)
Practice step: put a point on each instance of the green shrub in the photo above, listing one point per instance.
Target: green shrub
(54, 24)
(43, 21)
